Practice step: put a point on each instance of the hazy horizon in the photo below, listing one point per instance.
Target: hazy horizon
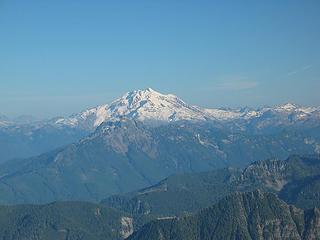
(35, 117)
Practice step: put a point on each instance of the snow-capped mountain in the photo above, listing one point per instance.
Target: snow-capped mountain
(151, 106)
(296, 111)
(147, 106)
(143, 105)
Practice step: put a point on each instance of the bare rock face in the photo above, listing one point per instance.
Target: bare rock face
(274, 174)
(122, 134)
(126, 227)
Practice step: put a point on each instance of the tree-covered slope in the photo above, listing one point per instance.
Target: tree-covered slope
(177, 199)
(177, 194)
(252, 215)
(63, 221)
(295, 179)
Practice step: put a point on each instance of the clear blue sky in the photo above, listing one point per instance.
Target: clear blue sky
(59, 57)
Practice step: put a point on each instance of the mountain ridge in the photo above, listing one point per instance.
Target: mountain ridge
(251, 215)
(23, 137)
(186, 193)
(151, 106)
(125, 155)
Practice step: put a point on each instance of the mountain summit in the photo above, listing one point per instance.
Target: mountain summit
(143, 105)
(149, 104)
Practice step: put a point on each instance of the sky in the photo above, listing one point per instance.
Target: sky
(60, 57)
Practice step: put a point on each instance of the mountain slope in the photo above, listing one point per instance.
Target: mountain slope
(118, 157)
(295, 180)
(174, 199)
(126, 155)
(253, 215)
(177, 194)
(27, 140)
(304, 193)
(63, 220)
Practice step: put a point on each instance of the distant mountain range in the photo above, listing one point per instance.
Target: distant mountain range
(24, 137)
(150, 106)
